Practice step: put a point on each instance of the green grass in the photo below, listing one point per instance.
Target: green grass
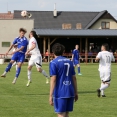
(21, 101)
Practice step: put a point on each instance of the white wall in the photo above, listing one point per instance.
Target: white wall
(97, 25)
(9, 29)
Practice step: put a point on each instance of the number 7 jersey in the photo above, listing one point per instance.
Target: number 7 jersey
(105, 60)
(63, 69)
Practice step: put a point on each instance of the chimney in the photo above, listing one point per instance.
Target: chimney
(55, 11)
(9, 12)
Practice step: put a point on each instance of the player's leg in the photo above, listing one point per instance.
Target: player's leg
(60, 106)
(38, 64)
(79, 73)
(17, 72)
(62, 114)
(104, 84)
(20, 60)
(30, 65)
(7, 68)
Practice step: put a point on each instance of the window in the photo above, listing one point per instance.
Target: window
(78, 26)
(6, 44)
(66, 26)
(105, 25)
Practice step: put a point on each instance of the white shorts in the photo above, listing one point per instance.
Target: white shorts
(105, 76)
(36, 61)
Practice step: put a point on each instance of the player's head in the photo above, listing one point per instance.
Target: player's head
(105, 47)
(58, 49)
(33, 34)
(22, 32)
(76, 47)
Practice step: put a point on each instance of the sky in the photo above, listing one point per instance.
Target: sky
(61, 5)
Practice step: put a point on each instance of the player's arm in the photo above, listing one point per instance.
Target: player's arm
(52, 87)
(98, 57)
(53, 74)
(10, 49)
(72, 56)
(32, 47)
(75, 87)
(113, 58)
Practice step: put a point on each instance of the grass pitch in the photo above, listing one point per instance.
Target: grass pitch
(21, 101)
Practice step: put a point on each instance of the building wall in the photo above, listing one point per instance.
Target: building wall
(9, 29)
(97, 25)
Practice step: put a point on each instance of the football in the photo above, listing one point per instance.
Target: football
(24, 13)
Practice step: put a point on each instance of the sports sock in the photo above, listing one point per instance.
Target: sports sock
(29, 75)
(18, 72)
(44, 73)
(102, 92)
(78, 69)
(8, 67)
(104, 86)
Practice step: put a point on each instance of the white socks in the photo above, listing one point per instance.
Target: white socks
(5, 73)
(44, 73)
(29, 75)
(103, 87)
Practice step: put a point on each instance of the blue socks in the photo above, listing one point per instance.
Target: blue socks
(8, 67)
(18, 72)
(78, 69)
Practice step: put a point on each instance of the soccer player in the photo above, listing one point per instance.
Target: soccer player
(75, 58)
(18, 54)
(63, 85)
(105, 59)
(36, 58)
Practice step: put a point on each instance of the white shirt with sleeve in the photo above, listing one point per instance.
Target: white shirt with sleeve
(35, 52)
(105, 61)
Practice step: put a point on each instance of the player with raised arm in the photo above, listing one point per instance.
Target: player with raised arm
(75, 58)
(18, 54)
(105, 59)
(63, 84)
(36, 58)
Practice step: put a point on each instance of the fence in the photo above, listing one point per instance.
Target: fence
(84, 57)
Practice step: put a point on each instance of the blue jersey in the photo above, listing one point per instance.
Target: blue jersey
(21, 42)
(76, 54)
(64, 71)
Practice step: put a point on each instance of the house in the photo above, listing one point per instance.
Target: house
(66, 27)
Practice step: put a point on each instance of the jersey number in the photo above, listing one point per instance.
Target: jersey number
(108, 59)
(68, 66)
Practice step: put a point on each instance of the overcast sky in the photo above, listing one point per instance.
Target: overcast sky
(62, 5)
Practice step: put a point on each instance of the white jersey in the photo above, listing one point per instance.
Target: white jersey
(105, 61)
(35, 52)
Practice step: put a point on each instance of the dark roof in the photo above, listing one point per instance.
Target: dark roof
(45, 19)
(95, 19)
(83, 33)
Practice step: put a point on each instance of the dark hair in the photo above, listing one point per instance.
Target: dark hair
(34, 34)
(58, 49)
(22, 30)
(106, 46)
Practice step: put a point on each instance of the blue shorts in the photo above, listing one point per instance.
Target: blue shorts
(76, 62)
(63, 104)
(18, 57)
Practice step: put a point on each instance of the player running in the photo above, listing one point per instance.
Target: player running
(105, 59)
(63, 85)
(18, 54)
(36, 58)
(75, 58)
